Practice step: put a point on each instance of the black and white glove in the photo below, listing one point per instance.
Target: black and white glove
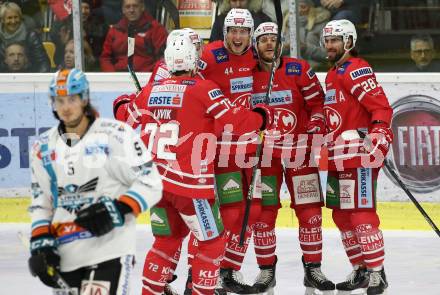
(267, 112)
(102, 217)
(44, 259)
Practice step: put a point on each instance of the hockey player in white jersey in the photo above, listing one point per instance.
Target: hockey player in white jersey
(91, 177)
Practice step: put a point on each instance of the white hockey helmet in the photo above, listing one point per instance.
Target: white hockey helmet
(193, 35)
(181, 54)
(238, 17)
(343, 28)
(265, 29)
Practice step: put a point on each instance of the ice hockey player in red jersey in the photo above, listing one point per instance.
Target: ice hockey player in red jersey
(177, 117)
(298, 100)
(355, 106)
(160, 72)
(229, 63)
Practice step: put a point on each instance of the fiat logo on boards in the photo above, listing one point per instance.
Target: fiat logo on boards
(416, 146)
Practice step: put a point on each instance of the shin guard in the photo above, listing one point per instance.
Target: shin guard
(310, 233)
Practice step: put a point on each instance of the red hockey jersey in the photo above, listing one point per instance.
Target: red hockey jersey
(296, 95)
(233, 73)
(177, 116)
(354, 99)
(159, 72)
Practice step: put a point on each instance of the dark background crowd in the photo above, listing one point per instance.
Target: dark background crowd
(37, 35)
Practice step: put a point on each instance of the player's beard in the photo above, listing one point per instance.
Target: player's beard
(72, 124)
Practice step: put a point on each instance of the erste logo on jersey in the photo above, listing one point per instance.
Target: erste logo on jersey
(293, 68)
(356, 74)
(330, 97)
(242, 84)
(277, 98)
(169, 95)
(220, 55)
(333, 119)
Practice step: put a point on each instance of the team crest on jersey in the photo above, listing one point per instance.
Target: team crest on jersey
(242, 84)
(293, 68)
(71, 196)
(243, 100)
(277, 98)
(330, 97)
(341, 70)
(285, 120)
(220, 55)
(333, 119)
(356, 74)
(215, 93)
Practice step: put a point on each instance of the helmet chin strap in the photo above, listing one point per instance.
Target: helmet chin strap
(344, 55)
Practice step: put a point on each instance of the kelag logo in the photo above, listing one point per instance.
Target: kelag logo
(416, 147)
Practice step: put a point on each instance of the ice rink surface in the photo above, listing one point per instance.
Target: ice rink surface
(412, 262)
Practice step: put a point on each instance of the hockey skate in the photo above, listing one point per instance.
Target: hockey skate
(188, 286)
(315, 281)
(356, 282)
(168, 290)
(378, 282)
(232, 281)
(266, 281)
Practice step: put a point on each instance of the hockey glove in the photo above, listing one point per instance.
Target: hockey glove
(100, 218)
(44, 259)
(119, 101)
(379, 138)
(316, 125)
(267, 112)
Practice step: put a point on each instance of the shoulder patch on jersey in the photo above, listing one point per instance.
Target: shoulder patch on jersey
(220, 55)
(293, 68)
(201, 64)
(188, 82)
(215, 93)
(341, 70)
(311, 73)
(365, 71)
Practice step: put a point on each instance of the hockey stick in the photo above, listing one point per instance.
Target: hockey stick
(407, 191)
(255, 168)
(51, 271)
(130, 55)
(411, 197)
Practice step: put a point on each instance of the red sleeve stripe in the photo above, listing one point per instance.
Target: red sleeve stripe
(311, 95)
(308, 87)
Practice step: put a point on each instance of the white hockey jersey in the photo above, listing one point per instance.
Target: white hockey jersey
(110, 160)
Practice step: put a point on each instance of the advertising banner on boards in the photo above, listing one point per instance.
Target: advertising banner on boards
(25, 113)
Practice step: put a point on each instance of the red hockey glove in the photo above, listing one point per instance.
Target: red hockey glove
(316, 125)
(267, 112)
(380, 138)
(120, 100)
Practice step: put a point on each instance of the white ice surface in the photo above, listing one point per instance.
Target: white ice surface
(412, 262)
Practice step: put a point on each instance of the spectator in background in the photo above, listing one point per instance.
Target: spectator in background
(94, 27)
(253, 6)
(16, 60)
(344, 9)
(311, 22)
(69, 56)
(13, 30)
(150, 40)
(422, 53)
